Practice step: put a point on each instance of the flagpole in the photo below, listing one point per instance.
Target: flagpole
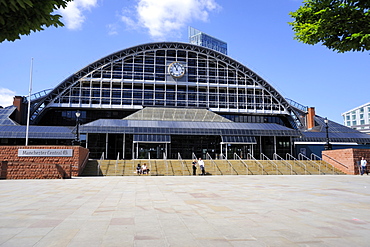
(29, 103)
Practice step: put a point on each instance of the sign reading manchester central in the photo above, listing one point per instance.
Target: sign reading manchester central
(45, 152)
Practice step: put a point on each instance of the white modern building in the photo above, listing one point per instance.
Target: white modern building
(358, 118)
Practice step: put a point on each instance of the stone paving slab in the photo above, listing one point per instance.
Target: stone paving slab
(186, 211)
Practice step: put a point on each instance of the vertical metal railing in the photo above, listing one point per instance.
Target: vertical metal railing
(230, 166)
(208, 157)
(193, 156)
(99, 163)
(264, 157)
(184, 167)
(166, 163)
(83, 164)
(115, 172)
(149, 163)
(304, 157)
(181, 162)
(277, 157)
(237, 157)
(250, 157)
(315, 157)
(339, 163)
(288, 156)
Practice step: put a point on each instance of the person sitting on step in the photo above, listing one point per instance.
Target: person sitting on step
(145, 169)
(138, 169)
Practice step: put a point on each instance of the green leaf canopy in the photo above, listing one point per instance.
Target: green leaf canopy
(340, 25)
(20, 17)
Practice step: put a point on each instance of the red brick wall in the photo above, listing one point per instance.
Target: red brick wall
(348, 157)
(10, 154)
(24, 170)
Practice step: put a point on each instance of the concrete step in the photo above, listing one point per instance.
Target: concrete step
(212, 167)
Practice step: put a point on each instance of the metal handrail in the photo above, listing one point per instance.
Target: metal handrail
(115, 172)
(150, 163)
(335, 161)
(304, 157)
(183, 164)
(101, 158)
(84, 162)
(165, 161)
(214, 163)
(240, 159)
(230, 165)
(316, 157)
(270, 161)
(291, 157)
(277, 157)
(250, 156)
(194, 157)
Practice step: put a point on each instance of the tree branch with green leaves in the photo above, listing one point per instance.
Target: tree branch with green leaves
(21, 17)
(340, 25)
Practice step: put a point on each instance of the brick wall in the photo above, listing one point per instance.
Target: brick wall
(24, 170)
(347, 159)
(72, 166)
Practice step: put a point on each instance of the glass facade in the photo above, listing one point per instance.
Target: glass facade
(197, 37)
(142, 80)
(167, 75)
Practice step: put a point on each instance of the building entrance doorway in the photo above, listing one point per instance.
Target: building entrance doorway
(150, 150)
(242, 150)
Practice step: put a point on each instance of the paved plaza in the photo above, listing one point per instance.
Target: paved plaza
(186, 211)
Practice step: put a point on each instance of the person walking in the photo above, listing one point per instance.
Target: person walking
(363, 166)
(201, 165)
(194, 165)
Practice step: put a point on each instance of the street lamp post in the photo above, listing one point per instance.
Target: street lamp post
(77, 140)
(327, 144)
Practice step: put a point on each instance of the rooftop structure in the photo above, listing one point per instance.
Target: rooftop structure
(197, 37)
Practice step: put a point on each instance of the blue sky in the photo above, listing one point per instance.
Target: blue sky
(257, 33)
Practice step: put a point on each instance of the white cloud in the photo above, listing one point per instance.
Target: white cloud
(130, 23)
(73, 14)
(6, 97)
(112, 29)
(166, 17)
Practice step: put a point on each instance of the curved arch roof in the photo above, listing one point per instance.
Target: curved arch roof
(42, 103)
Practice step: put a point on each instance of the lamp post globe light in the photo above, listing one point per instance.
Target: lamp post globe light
(327, 144)
(77, 140)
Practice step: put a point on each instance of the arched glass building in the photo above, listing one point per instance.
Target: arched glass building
(166, 75)
(168, 99)
(169, 76)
